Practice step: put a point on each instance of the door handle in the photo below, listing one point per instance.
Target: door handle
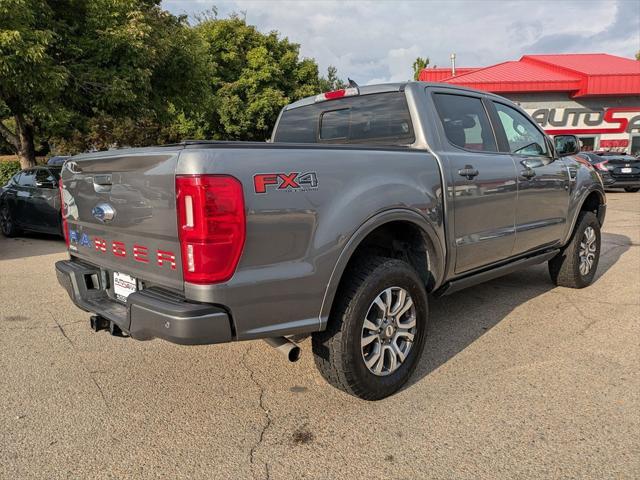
(529, 173)
(468, 171)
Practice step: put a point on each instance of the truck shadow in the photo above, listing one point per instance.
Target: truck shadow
(458, 320)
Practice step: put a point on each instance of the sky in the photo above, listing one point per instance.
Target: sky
(377, 41)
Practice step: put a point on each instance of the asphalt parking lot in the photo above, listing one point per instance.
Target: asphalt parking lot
(518, 380)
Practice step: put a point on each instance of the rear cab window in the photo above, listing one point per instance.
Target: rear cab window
(379, 118)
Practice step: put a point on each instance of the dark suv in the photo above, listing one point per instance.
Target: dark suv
(617, 170)
(31, 201)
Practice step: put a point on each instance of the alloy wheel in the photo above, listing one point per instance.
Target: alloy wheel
(388, 331)
(587, 251)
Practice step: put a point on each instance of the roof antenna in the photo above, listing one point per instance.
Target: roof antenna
(352, 83)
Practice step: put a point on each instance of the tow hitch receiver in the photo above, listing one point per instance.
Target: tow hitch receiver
(98, 323)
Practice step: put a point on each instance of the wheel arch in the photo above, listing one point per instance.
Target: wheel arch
(592, 200)
(425, 249)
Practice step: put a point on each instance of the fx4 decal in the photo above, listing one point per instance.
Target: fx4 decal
(293, 182)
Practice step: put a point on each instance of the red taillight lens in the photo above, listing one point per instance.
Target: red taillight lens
(63, 213)
(211, 226)
(345, 92)
(602, 166)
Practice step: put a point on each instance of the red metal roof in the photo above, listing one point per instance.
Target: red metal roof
(439, 74)
(581, 75)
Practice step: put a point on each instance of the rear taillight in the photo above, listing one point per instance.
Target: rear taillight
(602, 166)
(211, 226)
(63, 213)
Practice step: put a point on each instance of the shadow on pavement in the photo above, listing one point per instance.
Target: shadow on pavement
(30, 245)
(460, 319)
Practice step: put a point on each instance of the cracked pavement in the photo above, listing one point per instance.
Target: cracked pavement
(518, 380)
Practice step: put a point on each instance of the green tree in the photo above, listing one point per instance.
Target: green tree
(30, 78)
(638, 55)
(331, 81)
(419, 65)
(74, 70)
(252, 75)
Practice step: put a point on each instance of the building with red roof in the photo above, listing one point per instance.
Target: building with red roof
(595, 95)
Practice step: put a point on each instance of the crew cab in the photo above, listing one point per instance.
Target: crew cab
(364, 203)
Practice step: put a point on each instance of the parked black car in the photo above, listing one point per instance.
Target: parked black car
(617, 170)
(31, 201)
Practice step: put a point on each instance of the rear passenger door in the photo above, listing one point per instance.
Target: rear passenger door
(483, 181)
(543, 181)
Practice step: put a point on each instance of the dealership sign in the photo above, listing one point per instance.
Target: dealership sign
(584, 121)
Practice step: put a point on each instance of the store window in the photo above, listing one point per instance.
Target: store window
(587, 144)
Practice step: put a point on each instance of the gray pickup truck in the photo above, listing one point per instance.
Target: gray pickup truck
(364, 202)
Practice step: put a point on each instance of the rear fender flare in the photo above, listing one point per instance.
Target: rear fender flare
(433, 245)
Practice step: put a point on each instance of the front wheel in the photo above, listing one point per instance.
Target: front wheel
(631, 189)
(575, 266)
(376, 330)
(7, 224)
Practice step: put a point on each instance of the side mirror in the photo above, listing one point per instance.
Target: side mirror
(566, 145)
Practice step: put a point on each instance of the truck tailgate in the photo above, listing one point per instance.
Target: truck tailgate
(121, 213)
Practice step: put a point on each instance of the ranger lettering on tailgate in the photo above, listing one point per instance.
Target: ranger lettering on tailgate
(140, 253)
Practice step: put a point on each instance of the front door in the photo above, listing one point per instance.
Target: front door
(483, 181)
(543, 182)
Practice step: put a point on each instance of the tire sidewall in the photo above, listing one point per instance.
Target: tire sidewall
(398, 276)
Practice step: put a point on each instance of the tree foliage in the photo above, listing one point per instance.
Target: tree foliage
(419, 65)
(251, 77)
(78, 75)
(331, 81)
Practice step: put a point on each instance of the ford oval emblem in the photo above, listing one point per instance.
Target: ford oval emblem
(103, 212)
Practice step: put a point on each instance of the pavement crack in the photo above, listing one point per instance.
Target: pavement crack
(61, 328)
(76, 354)
(265, 411)
(590, 320)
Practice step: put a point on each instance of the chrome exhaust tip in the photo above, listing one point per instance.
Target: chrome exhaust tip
(286, 347)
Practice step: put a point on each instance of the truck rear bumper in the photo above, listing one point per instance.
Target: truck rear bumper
(148, 313)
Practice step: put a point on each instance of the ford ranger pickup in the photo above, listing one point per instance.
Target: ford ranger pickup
(365, 202)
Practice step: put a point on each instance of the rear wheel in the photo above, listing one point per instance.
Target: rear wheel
(376, 330)
(7, 224)
(575, 266)
(631, 189)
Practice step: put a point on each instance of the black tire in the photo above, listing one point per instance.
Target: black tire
(564, 268)
(337, 350)
(7, 224)
(631, 189)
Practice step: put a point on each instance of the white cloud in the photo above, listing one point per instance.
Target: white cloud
(377, 41)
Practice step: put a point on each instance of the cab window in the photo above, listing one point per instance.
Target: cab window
(523, 137)
(379, 118)
(465, 122)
